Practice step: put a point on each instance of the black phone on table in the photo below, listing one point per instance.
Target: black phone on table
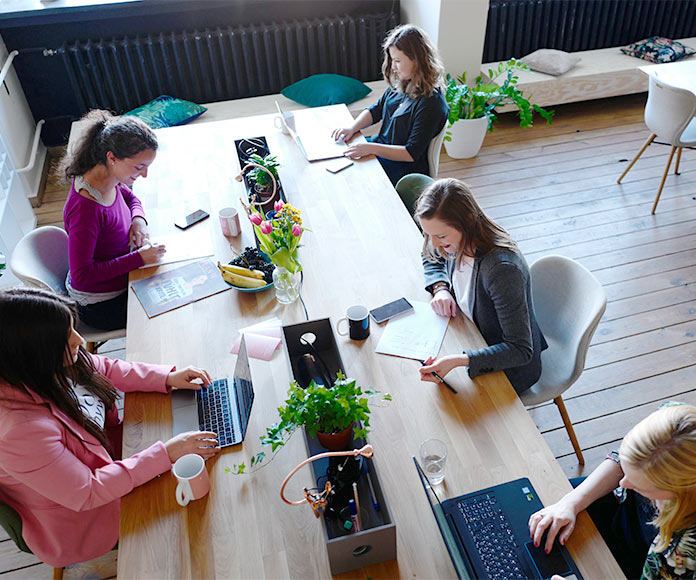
(193, 218)
(390, 310)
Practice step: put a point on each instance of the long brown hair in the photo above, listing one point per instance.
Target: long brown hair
(124, 136)
(452, 202)
(34, 331)
(429, 73)
(663, 447)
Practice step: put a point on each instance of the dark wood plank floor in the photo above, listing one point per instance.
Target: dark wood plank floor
(555, 190)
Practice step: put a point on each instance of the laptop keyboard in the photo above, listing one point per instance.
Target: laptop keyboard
(492, 535)
(214, 413)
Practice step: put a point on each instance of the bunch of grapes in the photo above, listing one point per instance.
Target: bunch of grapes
(253, 259)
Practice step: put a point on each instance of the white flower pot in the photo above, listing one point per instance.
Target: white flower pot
(467, 138)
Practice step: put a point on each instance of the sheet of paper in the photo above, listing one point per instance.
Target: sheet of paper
(184, 246)
(417, 335)
(262, 339)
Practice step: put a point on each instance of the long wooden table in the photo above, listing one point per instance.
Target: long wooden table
(363, 248)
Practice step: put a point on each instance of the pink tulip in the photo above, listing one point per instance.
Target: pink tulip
(266, 227)
(256, 218)
(278, 205)
(296, 230)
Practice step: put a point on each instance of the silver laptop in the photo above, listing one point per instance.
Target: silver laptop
(224, 407)
(313, 138)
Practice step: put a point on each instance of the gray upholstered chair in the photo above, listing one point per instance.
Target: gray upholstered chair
(434, 151)
(569, 302)
(40, 259)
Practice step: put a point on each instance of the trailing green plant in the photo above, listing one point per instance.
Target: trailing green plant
(317, 408)
(324, 409)
(259, 175)
(481, 99)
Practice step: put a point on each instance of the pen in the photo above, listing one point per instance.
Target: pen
(439, 378)
(353, 515)
(357, 505)
(373, 497)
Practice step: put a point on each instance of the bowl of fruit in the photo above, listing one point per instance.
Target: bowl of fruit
(250, 271)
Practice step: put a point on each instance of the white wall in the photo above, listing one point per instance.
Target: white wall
(458, 27)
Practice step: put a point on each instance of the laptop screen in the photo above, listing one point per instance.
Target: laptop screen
(443, 524)
(243, 386)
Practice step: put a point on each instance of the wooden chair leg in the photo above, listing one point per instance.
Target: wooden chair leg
(664, 177)
(58, 573)
(569, 428)
(643, 148)
(676, 169)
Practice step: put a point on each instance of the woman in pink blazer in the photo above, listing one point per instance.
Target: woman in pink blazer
(60, 467)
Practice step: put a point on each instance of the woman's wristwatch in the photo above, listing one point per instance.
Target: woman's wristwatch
(435, 288)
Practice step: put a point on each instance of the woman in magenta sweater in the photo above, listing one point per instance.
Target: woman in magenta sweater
(60, 464)
(107, 231)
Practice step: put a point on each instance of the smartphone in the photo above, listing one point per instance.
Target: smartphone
(193, 218)
(338, 165)
(390, 310)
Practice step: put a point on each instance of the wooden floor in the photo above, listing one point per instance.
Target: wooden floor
(554, 188)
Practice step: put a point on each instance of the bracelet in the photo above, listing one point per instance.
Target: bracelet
(439, 286)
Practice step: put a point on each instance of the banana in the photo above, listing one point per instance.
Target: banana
(239, 270)
(242, 281)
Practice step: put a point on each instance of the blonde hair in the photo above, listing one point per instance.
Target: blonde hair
(429, 72)
(663, 447)
(452, 202)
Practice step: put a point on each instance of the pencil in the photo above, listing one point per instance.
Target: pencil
(439, 378)
(357, 505)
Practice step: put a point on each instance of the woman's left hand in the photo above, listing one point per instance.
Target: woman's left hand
(358, 150)
(184, 378)
(442, 366)
(138, 234)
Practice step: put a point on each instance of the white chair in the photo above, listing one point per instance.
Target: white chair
(568, 302)
(40, 259)
(434, 151)
(669, 114)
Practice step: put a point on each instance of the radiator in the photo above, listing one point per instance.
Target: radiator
(517, 27)
(222, 63)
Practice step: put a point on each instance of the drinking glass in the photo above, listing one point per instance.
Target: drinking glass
(433, 454)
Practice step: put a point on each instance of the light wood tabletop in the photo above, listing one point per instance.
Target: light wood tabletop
(362, 248)
(681, 73)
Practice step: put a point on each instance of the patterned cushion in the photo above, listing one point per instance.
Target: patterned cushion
(326, 89)
(658, 49)
(167, 111)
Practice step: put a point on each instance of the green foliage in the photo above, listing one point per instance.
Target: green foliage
(482, 98)
(241, 468)
(319, 408)
(259, 175)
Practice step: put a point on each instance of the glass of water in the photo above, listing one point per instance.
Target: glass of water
(433, 455)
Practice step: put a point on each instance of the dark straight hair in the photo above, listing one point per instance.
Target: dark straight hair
(452, 202)
(34, 330)
(124, 136)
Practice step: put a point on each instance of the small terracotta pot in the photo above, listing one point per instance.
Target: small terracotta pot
(339, 441)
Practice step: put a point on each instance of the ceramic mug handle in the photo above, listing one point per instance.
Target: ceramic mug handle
(338, 327)
(183, 493)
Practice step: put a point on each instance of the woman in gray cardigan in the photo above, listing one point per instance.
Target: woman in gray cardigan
(471, 264)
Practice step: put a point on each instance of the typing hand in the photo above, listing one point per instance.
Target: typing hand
(358, 150)
(558, 519)
(183, 379)
(343, 135)
(203, 443)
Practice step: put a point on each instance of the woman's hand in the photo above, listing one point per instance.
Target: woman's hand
(442, 366)
(558, 519)
(344, 134)
(138, 234)
(152, 253)
(203, 443)
(183, 379)
(359, 150)
(443, 303)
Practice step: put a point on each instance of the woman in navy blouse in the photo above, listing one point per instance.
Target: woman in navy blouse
(413, 109)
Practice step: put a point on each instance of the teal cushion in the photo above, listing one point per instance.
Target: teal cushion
(326, 89)
(165, 111)
(409, 188)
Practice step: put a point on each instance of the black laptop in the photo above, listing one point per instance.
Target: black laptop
(487, 534)
(224, 407)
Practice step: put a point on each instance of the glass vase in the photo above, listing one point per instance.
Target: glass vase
(287, 285)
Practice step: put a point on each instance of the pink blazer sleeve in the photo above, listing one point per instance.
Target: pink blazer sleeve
(127, 376)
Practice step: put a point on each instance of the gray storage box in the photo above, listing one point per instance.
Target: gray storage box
(376, 542)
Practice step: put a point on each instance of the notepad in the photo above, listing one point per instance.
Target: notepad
(417, 335)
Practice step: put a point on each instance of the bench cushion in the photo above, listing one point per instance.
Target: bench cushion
(326, 89)
(166, 111)
(658, 49)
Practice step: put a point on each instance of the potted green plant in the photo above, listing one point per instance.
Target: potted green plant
(472, 108)
(263, 184)
(332, 414)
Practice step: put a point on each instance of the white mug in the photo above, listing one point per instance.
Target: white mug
(229, 222)
(280, 124)
(192, 476)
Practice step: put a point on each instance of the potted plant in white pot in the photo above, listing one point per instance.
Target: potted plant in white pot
(472, 108)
